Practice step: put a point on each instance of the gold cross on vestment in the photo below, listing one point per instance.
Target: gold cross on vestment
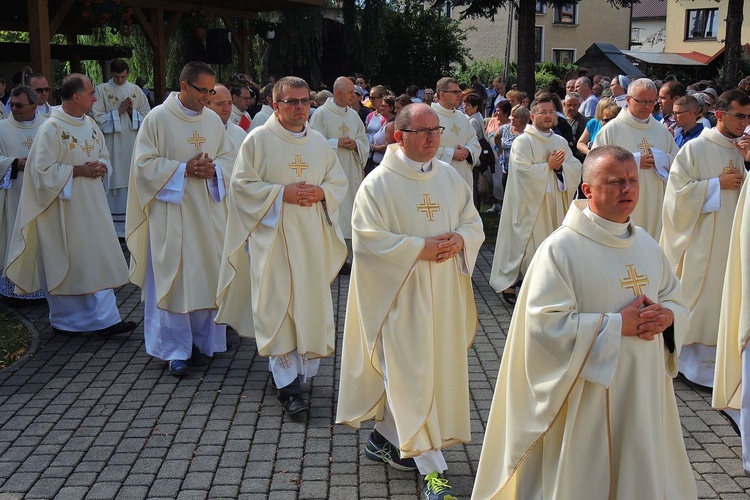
(730, 168)
(196, 140)
(644, 145)
(428, 207)
(344, 129)
(455, 129)
(547, 155)
(87, 148)
(634, 281)
(298, 165)
(28, 142)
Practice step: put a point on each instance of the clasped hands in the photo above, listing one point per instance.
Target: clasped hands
(92, 169)
(126, 106)
(645, 318)
(303, 194)
(201, 167)
(441, 248)
(556, 159)
(347, 143)
(460, 153)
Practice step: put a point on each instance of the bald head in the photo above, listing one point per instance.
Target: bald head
(221, 102)
(417, 132)
(343, 90)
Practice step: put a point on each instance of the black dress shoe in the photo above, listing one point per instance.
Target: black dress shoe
(66, 333)
(295, 404)
(117, 328)
(197, 358)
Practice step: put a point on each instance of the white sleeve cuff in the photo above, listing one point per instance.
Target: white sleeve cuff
(272, 216)
(216, 186)
(67, 190)
(334, 143)
(602, 361)
(174, 190)
(713, 196)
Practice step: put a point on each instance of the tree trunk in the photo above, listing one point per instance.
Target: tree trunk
(733, 44)
(526, 59)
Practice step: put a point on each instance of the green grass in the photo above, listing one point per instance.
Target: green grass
(490, 222)
(15, 339)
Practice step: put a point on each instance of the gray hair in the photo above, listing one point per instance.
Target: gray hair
(573, 96)
(27, 91)
(641, 83)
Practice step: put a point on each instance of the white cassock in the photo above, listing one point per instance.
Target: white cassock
(16, 139)
(458, 131)
(536, 201)
(401, 308)
(175, 228)
(120, 131)
(241, 118)
(697, 223)
(296, 251)
(64, 241)
(732, 376)
(581, 411)
(236, 133)
(639, 136)
(262, 116)
(334, 123)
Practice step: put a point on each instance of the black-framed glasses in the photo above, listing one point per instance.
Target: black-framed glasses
(295, 102)
(739, 116)
(643, 101)
(452, 91)
(678, 113)
(202, 91)
(18, 105)
(424, 132)
(43, 90)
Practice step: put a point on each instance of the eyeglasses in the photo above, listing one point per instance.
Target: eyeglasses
(643, 102)
(295, 102)
(247, 98)
(424, 132)
(452, 91)
(678, 113)
(545, 113)
(43, 90)
(203, 91)
(18, 105)
(605, 120)
(739, 116)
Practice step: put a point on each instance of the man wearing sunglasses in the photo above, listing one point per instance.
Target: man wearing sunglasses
(459, 145)
(175, 221)
(38, 82)
(652, 145)
(64, 242)
(17, 134)
(699, 204)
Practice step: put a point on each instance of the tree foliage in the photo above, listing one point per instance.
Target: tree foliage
(412, 45)
(525, 15)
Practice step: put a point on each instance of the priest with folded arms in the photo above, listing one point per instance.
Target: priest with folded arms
(543, 177)
(584, 405)
(345, 132)
(17, 135)
(64, 242)
(459, 145)
(652, 145)
(699, 204)
(411, 314)
(176, 220)
(283, 204)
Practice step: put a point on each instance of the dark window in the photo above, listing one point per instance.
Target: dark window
(702, 24)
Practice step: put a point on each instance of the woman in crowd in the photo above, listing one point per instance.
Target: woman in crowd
(472, 106)
(519, 118)
(380, 138)
(375, 121)
(593, 126)
(499, 118)
(619, 89)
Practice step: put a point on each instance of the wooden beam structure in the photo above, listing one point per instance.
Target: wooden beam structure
(40, 37)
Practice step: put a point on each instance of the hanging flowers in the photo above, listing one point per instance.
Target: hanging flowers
(108, 14)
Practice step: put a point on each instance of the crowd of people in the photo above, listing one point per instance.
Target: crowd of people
(621, 205)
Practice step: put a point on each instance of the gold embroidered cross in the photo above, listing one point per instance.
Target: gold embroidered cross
(344, 129)
(196, 140)
(730, 168)
(28, 142)
(455, 129)
(428, 207)
(298, 165)
(547, 155)
(644, 145)
(87, 148)
(285, 361)
(634, 281)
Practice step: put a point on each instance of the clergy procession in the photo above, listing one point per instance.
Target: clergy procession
(621, 250)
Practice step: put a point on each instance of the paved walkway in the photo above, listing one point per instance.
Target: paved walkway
(84, 418)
